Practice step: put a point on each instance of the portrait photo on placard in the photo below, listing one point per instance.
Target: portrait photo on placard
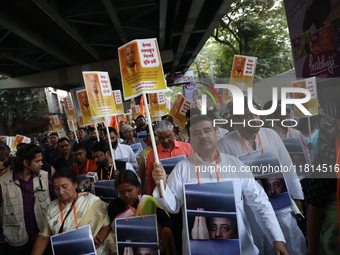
(276, 189)
(137, 235)
(211, 218)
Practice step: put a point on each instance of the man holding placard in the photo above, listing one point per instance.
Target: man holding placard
(168, 147)
(203, 138)
(248, 138)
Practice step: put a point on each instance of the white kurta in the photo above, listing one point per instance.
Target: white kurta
(232, 145)
(125, 151)
(246, 189)
(221, 132)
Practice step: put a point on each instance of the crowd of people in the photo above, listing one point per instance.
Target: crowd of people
(40, 193)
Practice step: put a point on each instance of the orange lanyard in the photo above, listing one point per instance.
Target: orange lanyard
(216, 170)
(61, 208)
(109, 176)
(134, 210)
(174, 150)
(246, 147)
(281, 134)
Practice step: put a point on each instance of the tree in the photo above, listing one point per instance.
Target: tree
(253, 28)
(20, 106)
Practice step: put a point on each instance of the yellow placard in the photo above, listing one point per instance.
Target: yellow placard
(243, 71)
(157, 104)
(179, 109)
(135, 111)
(118, 101)
(141, 68)
(20, 139)
(312, 104)
(69, 108)
(56, 126)
(99, 92)
(86, 118)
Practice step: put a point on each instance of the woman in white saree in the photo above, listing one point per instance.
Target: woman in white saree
(72, 210)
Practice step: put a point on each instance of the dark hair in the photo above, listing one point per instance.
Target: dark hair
(5, 146)
(20, 145)
(127, 176)
(91, 129)
(65, 172)
(63, 139)
(26, 152)
(82, 128)
(197, 119)
(78, 146)
(113, 130)
(56, 134)
(140, 116)
(102, 146)
(192, 111)
(165, 116)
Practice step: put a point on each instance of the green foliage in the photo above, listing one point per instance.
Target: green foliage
(253, 28)
(173, 92)
(18, 107)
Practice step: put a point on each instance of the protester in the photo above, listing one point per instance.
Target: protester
(91, 141)
(102, 156)
(168, 147)
(5, 166)
(87, 210)
(322, 196)
(24, 196)
(82, 133)
(140, 123)
(66, 158)
(130, 203)
(127, 132)
(4, 151)
(246, 139)
(71, 138)
(52, 152)
(183, 135)
(203, 138)
(122, 151)
(82, 165)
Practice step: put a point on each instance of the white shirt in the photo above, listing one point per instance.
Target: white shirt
(246, 189)
(125, 151)
(221, 132)
(231, 144)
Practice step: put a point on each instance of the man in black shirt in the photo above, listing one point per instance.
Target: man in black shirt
(52, 152)
(66, 158)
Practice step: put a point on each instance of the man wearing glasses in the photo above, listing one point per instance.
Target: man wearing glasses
(83, 165)
(24, 196)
